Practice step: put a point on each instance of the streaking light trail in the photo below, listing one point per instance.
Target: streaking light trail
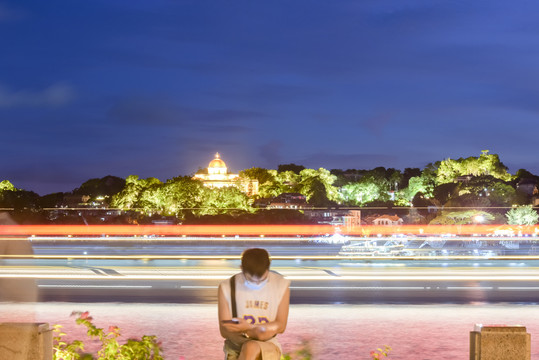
(256, 230)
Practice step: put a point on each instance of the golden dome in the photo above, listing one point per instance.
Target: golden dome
(217, 162)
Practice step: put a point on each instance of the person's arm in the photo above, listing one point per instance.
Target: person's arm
(268, 330)
(232, 332)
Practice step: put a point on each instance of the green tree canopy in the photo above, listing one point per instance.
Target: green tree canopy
(486, 164)
(106, 186)
(6, 185)
(290, 167)
(129, 196)
(522, 215)
(317, 186)
(463, 218)
(256, 173)
(362, 192)
(224, 200)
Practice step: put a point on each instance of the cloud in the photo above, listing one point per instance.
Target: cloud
(53, 96)
(377, 124)
(147, 111)
(270, 153)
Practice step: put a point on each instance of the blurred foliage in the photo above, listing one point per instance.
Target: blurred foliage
(463, 218)
(147, 348)
(522, 215)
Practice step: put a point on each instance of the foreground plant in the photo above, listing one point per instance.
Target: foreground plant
(303, 353)
(145, 349)
(380, 353)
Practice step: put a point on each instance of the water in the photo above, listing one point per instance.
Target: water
(344, 332)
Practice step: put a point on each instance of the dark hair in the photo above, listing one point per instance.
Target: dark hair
(255, 261)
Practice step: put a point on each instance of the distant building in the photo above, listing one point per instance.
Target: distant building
(289, 201)
(216, 176)
(343, 217)
(387, 220)
(464, 178)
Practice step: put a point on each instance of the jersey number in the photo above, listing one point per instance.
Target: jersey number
(251, 319)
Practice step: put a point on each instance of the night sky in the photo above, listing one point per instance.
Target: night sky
(155, 88)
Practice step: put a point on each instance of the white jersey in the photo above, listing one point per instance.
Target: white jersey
(257, 306)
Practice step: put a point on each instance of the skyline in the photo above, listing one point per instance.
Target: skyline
(156, 89)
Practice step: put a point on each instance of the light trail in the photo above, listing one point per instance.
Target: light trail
(276, 257)
(60, 286)
(258, 230)
(344, 278)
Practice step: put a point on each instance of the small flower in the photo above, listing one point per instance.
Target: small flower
(85, 315)
(114, 329)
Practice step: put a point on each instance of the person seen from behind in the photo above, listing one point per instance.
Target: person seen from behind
(261, 298)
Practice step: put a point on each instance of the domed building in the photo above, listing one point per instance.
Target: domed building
(216, 175)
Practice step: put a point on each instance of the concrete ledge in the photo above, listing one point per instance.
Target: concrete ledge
(500, 342)
(25, 341)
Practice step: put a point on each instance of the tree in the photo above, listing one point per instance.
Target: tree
(525, 174)
(6, 185)
(183, 195)
(462, 217)
(360, 193)
(224, 200)
(416, 184)
(317, 186)
(480, 191)
(443, 193)
(256, 173)
(408, 174)
(51, 200)
(522, 215)
(485, 164)
(129, 196)
(19, 199)
(271, 188)
(279, 183)
(290, 167)
(106, 186)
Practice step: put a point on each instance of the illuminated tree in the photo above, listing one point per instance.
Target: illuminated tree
(317, 186)
(448, 171)
(485, 164)
(288, 178)
(462, 217)
(6, 185)
(19, 199)
(129, 196)
(408, 174)
(522, 215)
(256, 173)
(152, 199)
(224, 200)
(182, 195)
(360, 193)
(416, 184)
(480, 191)
(276, 184)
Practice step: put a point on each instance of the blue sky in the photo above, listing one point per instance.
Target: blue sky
(155, 88)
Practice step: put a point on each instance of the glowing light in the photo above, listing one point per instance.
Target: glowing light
(246, 230)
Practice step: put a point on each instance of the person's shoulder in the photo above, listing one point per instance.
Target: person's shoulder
(226, 282)
(278, 278)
